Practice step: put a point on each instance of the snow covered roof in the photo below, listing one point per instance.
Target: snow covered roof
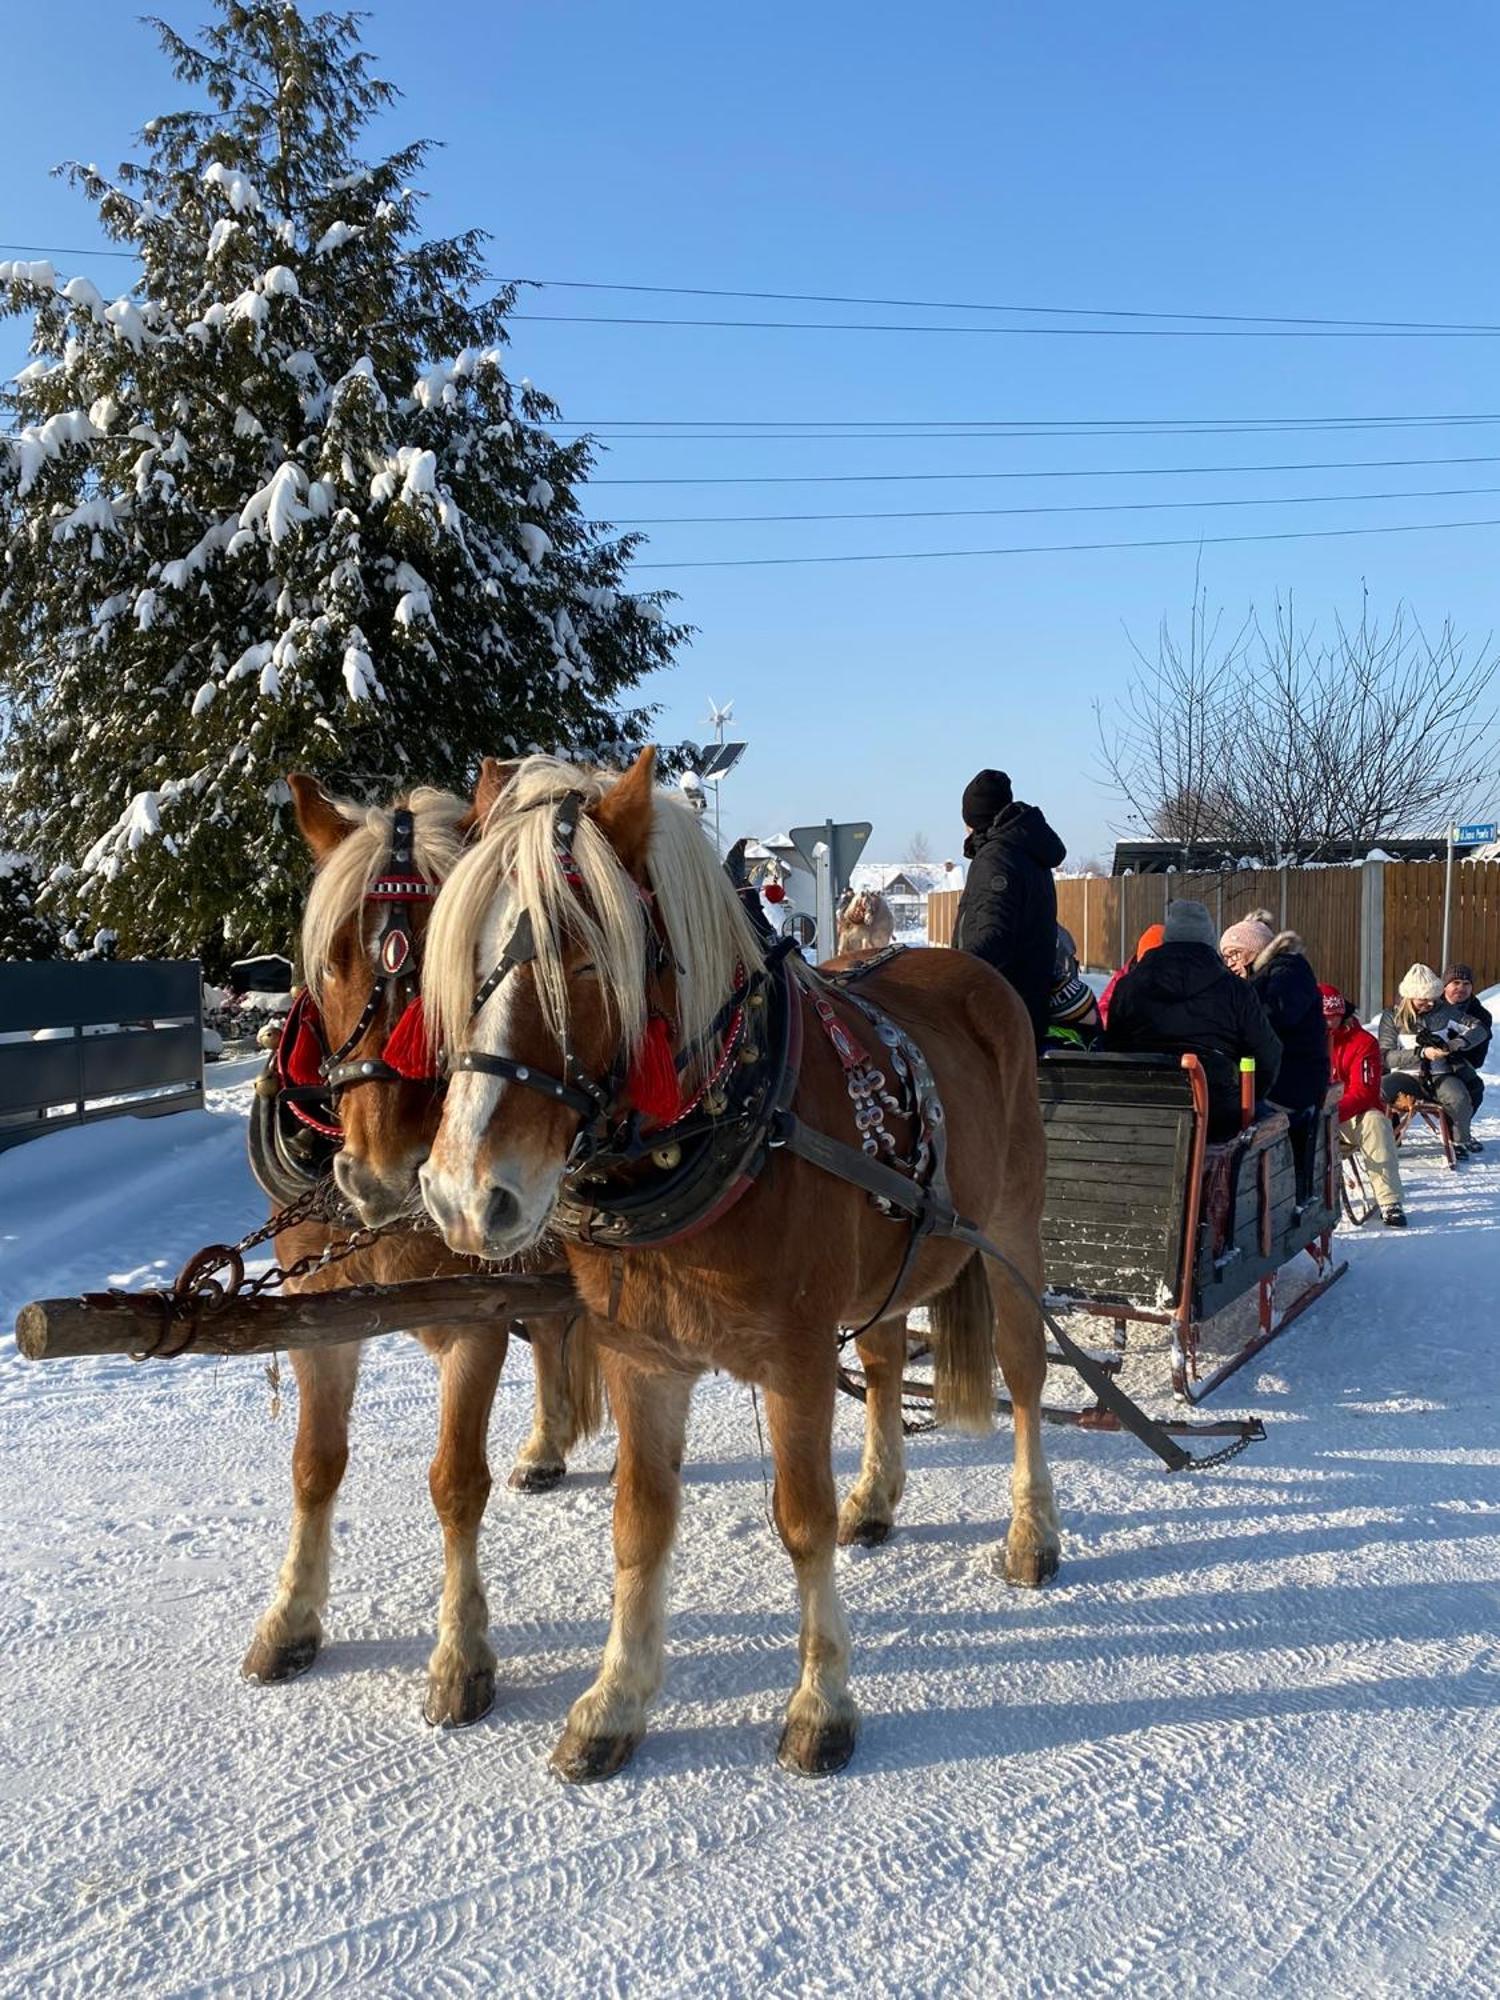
(907, 878)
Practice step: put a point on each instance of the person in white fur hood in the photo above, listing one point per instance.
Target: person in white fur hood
(1421, 1038)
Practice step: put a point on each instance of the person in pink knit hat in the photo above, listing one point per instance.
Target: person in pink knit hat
(1243, 943)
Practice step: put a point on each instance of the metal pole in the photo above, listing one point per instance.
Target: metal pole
(1447, 897)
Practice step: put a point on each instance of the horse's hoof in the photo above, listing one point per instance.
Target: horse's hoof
(812, 1750)
(865, 1534)
(1031, 1568)
(536, 1478)
(585, 1760)
(455, 1704)
(269, 1662)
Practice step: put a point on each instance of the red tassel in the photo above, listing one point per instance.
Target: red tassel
(409, 1052)
(654, 1087)
(299, 1054)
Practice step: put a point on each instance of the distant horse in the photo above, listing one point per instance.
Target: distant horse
(866, 922)
(378, 872)
(590, 958)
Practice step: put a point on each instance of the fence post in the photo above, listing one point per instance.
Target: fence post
(1121, 960)
(1219, 904)
(1282, 872)
(1372, 940)
(1088, 883)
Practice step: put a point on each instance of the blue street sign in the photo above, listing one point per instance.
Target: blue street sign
(1483, 830)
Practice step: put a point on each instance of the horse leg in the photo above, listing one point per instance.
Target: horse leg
(461, 1672)
(607, 1722)
(568, 1407)
(822, 1720)
(1033, 1545)
(869, 1510)
(291, 1630)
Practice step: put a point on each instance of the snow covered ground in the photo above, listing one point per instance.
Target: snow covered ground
(1247, 1745)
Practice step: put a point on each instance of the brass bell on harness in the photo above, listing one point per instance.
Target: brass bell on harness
(267, 1083)
(716, 1102)
(269, 1036)
(667, 1156)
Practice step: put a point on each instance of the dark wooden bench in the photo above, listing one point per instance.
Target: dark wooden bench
(1146, 1220)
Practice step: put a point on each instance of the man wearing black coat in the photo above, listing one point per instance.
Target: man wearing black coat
(1007, 914)
(1181, 999)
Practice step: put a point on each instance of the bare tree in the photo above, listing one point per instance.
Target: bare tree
(1281, 741)
(918, 848)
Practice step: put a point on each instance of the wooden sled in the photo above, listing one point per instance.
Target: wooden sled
(1146, 1220)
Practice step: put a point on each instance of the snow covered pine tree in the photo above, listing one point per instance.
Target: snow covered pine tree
(250, 522)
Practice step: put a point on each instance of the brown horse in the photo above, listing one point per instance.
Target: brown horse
(605, 913)
(387, 1124)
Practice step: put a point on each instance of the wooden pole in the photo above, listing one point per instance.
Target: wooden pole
(139, 1322)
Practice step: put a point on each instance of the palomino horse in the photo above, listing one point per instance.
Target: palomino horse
(866, 922)
(611, 929)
(358, 980)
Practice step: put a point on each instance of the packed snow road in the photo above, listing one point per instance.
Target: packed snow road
(1248, 1744)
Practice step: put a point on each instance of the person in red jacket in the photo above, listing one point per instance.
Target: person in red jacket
(1364, 1125)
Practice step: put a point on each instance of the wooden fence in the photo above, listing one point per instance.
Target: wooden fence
(1362, 926)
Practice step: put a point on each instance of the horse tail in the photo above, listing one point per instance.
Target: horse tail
(583, 1380)
(962, 1321)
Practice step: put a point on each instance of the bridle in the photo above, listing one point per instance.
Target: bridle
(589, 1100)
(311, 1074)
(399, 887)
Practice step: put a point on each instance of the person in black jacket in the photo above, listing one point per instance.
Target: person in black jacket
(1007, 914)
(1180, 999)
(1287, 987)
(1458, 991)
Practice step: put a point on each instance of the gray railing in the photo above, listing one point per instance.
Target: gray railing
(86, 1041)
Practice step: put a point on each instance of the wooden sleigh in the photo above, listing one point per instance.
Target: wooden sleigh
(1146, 1220)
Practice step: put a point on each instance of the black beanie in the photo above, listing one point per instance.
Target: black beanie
(985, 796)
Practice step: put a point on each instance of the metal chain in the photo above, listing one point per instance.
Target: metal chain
(199, 1284)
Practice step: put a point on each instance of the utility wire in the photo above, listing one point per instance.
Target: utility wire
(1087, 507)
(1072, 472)
(1074, 548)
(62, 250)
(961, 305)
(1392, 332)
(704, 431)
(1269, 321)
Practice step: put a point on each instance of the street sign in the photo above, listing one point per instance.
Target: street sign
(845, 844)
(1482, 830)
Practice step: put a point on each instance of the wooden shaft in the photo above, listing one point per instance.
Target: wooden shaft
(136, 1322)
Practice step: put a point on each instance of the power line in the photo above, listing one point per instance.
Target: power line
(961, 305)
(1391, 332)
(1074, 548)
(1266, 321)
(1011, 472)
(62, 250)
(1086, 507)
(709, 430)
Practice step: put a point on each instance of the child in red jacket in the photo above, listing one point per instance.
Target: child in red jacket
(1364, 1126)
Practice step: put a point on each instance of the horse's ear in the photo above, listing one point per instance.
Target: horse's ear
(627, 809)
(494, 776)
(323, 826)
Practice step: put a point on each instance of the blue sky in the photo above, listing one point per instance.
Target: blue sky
(1336, 161)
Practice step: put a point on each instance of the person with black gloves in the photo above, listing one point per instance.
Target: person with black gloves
(1007, 914)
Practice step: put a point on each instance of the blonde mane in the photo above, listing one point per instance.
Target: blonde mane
(339, 886)
(515, 866)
